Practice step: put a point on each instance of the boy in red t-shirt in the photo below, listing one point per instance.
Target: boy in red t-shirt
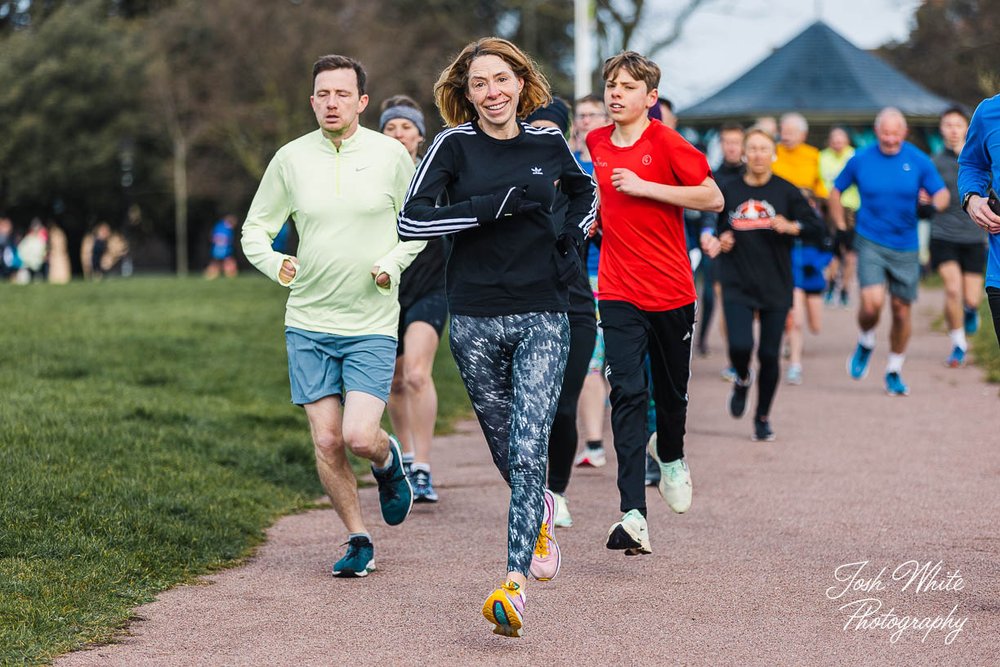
(647, 175)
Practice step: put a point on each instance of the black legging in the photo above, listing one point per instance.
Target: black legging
(993, 294)
(739, 325)
(510, 365)
(563, 437)
(706, 305)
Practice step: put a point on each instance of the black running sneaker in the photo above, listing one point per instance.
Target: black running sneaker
(762, 431)
(738, 396)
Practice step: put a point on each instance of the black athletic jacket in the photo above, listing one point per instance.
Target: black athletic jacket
(507, 266)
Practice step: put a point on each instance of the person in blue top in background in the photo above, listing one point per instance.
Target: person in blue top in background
(223, 255)
(978, 173)
(889, 175)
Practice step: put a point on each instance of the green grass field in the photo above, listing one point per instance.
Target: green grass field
(984, 345)
(145, 437)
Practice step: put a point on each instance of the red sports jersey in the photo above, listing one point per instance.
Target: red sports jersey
(644, 259)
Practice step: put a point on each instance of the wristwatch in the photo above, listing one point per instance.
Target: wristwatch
(966, 198)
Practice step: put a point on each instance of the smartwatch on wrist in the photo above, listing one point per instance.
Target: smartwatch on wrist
(966, 198)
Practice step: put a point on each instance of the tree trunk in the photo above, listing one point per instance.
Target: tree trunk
(180, 204)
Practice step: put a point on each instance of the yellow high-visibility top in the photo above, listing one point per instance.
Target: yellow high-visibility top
(800, 167)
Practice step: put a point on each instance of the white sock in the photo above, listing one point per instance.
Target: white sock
(426, 467)
(895, 363)
(958, 339)
(867, 339)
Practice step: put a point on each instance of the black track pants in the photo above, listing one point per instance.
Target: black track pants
(629, 334)
(563, 438)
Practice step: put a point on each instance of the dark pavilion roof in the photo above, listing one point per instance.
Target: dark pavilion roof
(823, 76)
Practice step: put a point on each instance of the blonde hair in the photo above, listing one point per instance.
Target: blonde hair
(452, 86)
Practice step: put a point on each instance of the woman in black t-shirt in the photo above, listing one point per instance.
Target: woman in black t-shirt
(754, 238)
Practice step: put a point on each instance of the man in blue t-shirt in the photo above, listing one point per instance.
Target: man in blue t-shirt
(889, 175)
(978, 172)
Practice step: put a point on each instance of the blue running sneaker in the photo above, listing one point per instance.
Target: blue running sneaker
(894, 385)
(395, 496)
(359, 559)
(956, 359)
(971, 321)
(423, 489)
(857, 364)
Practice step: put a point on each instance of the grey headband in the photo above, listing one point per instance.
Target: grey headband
(408, 113)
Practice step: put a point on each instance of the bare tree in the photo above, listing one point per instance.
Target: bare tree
(618, 21)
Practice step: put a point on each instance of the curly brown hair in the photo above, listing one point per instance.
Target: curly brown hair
(453, 84)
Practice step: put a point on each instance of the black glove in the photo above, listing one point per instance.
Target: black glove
(503, 205)
(926, 211)
(567, 258)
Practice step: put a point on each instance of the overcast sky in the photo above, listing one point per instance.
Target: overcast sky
(728, 37)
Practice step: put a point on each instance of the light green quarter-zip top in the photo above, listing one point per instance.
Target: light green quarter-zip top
(344, 203)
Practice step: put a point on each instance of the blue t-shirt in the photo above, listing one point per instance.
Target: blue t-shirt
(889, 186)
(222, 241)
(979, 169)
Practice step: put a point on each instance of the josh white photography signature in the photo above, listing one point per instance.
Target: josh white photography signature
(862, 589)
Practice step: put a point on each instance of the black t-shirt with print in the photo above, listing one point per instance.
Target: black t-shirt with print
(758, 269)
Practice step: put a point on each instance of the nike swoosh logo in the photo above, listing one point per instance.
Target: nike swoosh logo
(360, 168)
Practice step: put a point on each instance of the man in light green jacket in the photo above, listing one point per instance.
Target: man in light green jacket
(342, 185)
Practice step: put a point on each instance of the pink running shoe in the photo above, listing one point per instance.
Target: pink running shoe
(504, 608)
(546, 559)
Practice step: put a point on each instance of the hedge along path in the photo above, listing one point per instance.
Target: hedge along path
(856, 480)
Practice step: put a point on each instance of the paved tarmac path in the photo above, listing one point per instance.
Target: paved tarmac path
(745, 578)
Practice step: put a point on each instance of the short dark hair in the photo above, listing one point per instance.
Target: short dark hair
(956, 108)
(333, 61)
(731, 127)
(592, 99)
(667, 103)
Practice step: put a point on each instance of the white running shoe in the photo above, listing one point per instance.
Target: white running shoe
(593, 458)
(563, 518)
(675, 480)
(631, 535)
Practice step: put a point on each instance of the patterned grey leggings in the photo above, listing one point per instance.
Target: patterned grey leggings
(512, 367)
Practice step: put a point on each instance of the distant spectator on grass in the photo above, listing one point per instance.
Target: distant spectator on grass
(223, 253)
(9, 261)
(102, 252)
(34, 253)
(59, 267)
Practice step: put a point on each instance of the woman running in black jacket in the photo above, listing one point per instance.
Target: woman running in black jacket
(491, 182)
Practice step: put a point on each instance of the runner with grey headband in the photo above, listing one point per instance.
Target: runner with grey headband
(422, 316)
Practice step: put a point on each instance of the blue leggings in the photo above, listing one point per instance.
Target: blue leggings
(512, 367)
